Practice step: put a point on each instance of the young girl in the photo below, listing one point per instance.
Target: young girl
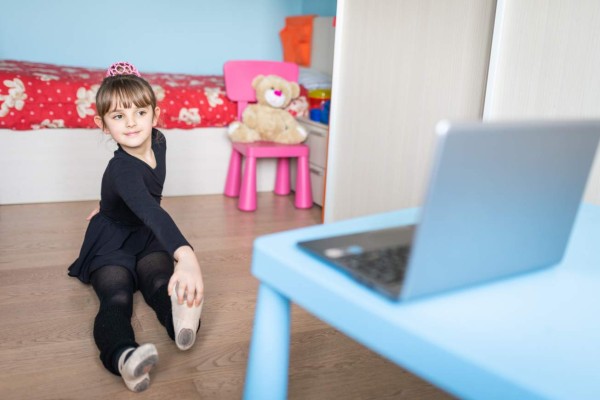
(132, 243)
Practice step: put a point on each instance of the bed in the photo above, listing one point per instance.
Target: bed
(51, 150)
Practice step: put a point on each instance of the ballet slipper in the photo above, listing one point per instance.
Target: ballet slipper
(135, 371)
(186, 321)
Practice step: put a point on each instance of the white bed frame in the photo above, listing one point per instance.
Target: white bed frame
(67, 164)
(53, 165)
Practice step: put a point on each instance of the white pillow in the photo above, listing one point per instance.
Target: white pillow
(311, 79)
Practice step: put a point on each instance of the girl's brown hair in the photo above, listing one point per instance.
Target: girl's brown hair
(125, 91)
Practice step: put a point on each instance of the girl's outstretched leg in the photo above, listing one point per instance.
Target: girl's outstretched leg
(182, 322)
(113, 332)
(154, 271)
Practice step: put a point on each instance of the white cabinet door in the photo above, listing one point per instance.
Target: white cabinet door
(400, 66)
(545, 63)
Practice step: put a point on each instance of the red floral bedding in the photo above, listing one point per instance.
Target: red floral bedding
(35, 96)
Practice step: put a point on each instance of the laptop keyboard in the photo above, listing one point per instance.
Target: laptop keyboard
(383, 265)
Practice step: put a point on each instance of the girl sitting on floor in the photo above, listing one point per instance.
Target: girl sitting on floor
(132, 243)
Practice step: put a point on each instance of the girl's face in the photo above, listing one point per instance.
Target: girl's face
(130, 127)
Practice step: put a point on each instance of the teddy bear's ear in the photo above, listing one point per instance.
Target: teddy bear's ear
(256, 81)
(295, 89)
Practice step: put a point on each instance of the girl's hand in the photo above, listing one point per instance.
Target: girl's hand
(187, 278)
(94, 212)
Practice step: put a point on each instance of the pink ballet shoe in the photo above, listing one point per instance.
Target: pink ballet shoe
(135, 371)
(186, 321)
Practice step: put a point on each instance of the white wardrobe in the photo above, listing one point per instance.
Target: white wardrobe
(545, 63)
(400, 66)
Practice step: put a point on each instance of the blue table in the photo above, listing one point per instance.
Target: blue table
(527, 337)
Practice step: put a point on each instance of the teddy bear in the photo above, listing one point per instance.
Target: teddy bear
(267, 120)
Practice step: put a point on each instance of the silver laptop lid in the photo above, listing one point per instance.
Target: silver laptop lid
(502, 199)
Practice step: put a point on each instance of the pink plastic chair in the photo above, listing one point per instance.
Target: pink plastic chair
(238, 85)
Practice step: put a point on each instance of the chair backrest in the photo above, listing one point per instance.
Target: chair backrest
(240, 74)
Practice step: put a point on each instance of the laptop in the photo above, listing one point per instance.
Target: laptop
(502, 200)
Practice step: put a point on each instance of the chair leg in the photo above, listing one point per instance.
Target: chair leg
(247, 201)
(303, 187)
(232, 184)
(282, 180)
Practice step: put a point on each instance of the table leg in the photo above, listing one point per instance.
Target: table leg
(267, 373)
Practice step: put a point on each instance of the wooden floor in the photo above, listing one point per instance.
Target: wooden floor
(46, 345)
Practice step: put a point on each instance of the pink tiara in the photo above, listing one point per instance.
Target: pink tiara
(122, 68)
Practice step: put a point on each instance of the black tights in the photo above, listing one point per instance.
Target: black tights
(114, 286)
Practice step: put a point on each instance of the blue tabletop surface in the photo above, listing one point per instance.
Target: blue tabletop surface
(536, 335)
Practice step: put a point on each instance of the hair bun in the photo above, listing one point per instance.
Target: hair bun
(122, 68)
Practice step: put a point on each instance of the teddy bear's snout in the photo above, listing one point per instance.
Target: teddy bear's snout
(277, 92)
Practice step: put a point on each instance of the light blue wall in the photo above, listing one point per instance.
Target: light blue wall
(324, 8)
(190, 36)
